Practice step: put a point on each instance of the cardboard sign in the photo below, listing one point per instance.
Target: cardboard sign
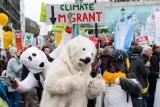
(7, 38)
(142, 40)
(19, 42)
(76, 13)
(28, 39)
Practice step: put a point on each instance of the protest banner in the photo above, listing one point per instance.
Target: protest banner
(28, 37)
(142, 40)
(124, 32)
(7, 39)
(76, 13)
(18, 40)
(157, 28)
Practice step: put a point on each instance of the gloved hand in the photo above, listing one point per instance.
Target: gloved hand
(15, 84)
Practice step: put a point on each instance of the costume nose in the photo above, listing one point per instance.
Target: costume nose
(41, 65)
(86, 60)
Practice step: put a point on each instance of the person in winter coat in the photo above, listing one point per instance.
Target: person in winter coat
(13, 70)
(120, 89)
(151, 58)
(156, 51)
(47, 51)
(141, 70)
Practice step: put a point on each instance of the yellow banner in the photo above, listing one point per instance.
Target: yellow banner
(58, 32)
(58, 37)
(7, 39)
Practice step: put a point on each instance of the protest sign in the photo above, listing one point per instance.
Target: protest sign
(76, 13)
(142, 40)
(18, 40)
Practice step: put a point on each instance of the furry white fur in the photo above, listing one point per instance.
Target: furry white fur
(68, 82)
(32, 58)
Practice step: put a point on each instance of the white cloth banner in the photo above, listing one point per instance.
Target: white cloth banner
(1, 37)
(150, 29)
(120, 35)
(157, 27)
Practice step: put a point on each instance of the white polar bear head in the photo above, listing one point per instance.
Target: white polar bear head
(34, 59)
(80, 51)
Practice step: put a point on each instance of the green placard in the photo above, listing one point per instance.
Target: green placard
(43, 13)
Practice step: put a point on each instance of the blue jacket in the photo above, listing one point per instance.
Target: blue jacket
(3, 92)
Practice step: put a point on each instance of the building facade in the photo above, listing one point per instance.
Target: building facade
(12, 9)
(31, 26)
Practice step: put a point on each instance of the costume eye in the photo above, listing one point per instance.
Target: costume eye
(34, 54)
(30, 58)
(84, 49)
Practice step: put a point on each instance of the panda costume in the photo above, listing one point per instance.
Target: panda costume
(35, 64)
(121, 88)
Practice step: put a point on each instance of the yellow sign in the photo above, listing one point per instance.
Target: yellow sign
(7, 39)
(58, 38)
(58, 32)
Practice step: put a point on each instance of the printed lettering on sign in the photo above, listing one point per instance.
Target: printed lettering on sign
(76, 13)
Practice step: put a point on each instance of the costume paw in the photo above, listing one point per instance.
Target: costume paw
(96, 86)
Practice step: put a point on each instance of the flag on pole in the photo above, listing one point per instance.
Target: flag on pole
(124, 33)
(130, 33)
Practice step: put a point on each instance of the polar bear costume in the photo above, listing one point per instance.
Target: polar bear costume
(68, 82)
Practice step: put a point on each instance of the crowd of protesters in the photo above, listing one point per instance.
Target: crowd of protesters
(144, 64)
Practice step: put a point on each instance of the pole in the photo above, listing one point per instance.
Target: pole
(96, 25)
(96, 32)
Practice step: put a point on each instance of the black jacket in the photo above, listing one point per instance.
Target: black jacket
(154, 71)
(140, 70)
(133, 89)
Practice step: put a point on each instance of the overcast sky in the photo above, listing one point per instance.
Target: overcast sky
(33, 7)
